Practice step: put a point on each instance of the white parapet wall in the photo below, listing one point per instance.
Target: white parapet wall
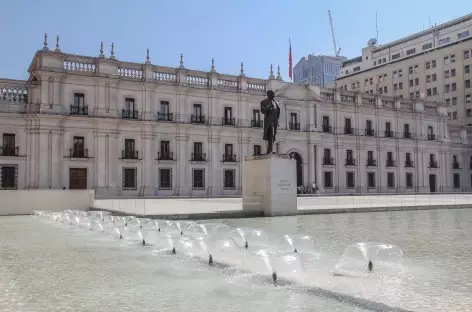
(23, 202)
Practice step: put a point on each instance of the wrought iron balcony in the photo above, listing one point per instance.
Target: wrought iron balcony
(165, 156)
(328, 161)
(369, 132)
(327, 129)
(198, 157)
(229, 158)
(407, 135)
(456, 165)
(165, 116)
(198, 119)
(389, 134)
(391, 163)
(348, 130)
(129, 114)
(371, 162)
(79, 110)
(9, 150)
(350, 162)
(257, 123)
(129, 154)
(228, 121)
(78, 153)
(294, 125)
(409, 163)
(433, 164)
(431, 137)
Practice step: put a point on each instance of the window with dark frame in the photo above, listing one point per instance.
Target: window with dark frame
(165, 178)
(350, 179)
(198, 179)
(198, 148)
(165, 148)
(78, 147)
(229, 178)
(79, 100)
(229, 149)
(257, 150)
(129, 147)
(9, 176)
(409, 180)
(164, 109)
(8, 147)
(371, 179)
(129, 178)
(256, 118)
(79, 105)
(328, 179)
(197, 110)
(228, 119)
(457, 180)
(129, 105)
(347, 125)
(390, 179)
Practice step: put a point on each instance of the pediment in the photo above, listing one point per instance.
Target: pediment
(297, 92)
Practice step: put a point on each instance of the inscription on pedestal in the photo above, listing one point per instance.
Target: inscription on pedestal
(284, 185)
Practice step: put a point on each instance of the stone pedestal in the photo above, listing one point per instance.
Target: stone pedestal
(269, 185)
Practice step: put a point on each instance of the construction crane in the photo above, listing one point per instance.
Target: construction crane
(336, 50)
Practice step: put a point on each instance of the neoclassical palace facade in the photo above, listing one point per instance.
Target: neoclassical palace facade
(128, 129)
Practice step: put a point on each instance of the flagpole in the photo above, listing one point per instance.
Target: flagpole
(290, 68)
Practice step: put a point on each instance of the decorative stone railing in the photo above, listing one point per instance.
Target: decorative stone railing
(406, 106)
(228, 84)
(348, 99)
(13, 91)
(196, 81)
(131, 73)
(430, 110)
(368, 102)
(164, 77)
(79, 66)
(327, 96)
(256, 87)
(388, 104)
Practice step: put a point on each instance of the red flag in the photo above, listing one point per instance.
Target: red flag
(290, 59)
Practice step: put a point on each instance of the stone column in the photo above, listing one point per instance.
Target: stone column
(43, 170)
(101, 156)
(148, 161)
(215, 156)
(114, 183)
(57, 156)
(183, 183)
(311, 164)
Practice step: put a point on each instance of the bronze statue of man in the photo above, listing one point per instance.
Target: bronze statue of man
(270, 108)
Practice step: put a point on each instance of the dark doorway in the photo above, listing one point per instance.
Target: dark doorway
(78, 178)
(299, 165)
(432, 183)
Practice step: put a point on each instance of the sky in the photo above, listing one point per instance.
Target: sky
(255, 32)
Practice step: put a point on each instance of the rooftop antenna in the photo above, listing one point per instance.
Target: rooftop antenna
(376, 27)
(336, 50)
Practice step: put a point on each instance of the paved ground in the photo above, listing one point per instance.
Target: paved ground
(232, 207)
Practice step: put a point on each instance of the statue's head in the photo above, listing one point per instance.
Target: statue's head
(270, 94)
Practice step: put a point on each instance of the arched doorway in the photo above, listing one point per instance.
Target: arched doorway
(299, 165)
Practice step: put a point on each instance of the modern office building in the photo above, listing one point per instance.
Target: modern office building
(434, 64)
(320, 70)
(138, 129)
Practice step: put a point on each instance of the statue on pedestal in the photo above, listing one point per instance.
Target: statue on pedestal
(270, 108)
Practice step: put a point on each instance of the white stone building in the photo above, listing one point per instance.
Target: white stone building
(128, 129)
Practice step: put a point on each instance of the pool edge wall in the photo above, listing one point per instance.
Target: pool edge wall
(24, 202)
